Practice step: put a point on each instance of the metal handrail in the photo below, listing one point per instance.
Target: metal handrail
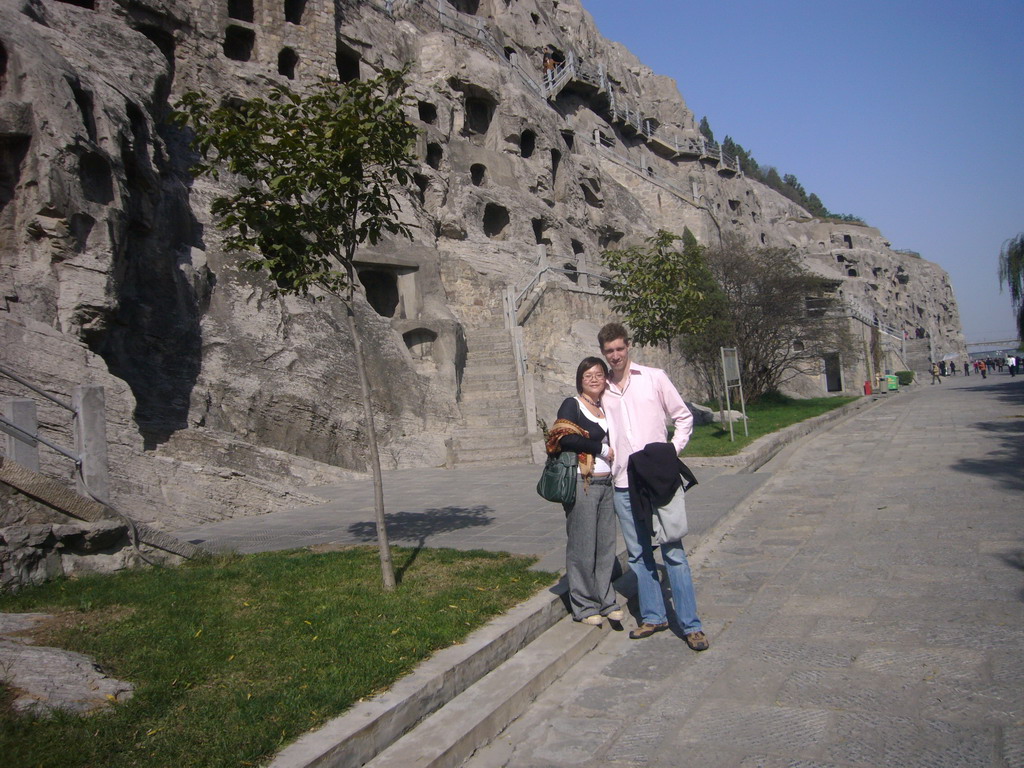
(14, 430)
(42, 393)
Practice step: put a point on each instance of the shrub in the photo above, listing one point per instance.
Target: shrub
(906, 377)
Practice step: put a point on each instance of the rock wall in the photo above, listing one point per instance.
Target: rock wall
(222, 399)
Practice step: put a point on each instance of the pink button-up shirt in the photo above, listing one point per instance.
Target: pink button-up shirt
(637, 416)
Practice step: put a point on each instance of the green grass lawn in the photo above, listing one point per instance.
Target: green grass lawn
(234, 657)
(769, 414)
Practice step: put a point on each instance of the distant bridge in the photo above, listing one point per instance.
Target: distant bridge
(995, 344)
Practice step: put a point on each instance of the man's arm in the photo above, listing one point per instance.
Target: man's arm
(676, 410)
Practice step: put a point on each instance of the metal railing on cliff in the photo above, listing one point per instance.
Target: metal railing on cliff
(572, 69)
(19, 466)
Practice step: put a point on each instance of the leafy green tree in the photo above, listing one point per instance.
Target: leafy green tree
(316, 174)
(815, 207)
(777, 314)
(658, 287)
(1011, 272)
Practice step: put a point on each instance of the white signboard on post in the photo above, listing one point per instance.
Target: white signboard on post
(731, 374)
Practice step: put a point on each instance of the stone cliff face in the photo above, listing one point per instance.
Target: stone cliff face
(223, 399)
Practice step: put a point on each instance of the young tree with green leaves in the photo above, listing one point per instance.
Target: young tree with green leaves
(1011, 272)
(316, 177)
(776, 313)
(659, 287)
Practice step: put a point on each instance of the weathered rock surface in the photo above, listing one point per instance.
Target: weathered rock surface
(224, 400)
(45, 679)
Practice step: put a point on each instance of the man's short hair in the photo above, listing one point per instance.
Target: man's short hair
(611, 332)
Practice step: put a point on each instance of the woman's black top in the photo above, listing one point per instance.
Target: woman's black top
(571, 410)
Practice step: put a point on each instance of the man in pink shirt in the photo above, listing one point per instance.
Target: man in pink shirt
(638, 402)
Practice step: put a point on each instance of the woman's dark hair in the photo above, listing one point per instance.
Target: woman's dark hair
(586, 365)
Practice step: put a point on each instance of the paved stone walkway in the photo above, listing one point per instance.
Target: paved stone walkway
(494, 508)
(864, 609)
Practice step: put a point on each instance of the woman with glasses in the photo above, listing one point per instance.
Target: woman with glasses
(590, 522)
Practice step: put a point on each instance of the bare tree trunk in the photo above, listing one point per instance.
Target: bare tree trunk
(387, 567)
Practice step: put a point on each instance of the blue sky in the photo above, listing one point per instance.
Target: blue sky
(907, 113)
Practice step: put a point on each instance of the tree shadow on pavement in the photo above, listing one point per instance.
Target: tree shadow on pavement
(419, 526)
(404, 526)
(1005, 465)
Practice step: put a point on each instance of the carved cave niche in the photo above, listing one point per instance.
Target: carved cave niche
(478, 174)
(293, 10)
(848, 241)
(556, 159)
(241, 10)
(346, 60)
(420, 343)
(472, 7)
(381, 287)
(591, 189)
(479, 113)
(571, 272)
(496, 219)
(96, 178)
(427, 112)
(287, 60)
(422, 185)
(527, 143)
(570, 139)
(539, 232)
(434, 155)
(852, 272)
(84, 100)
(239, 43)
(13, 151)
(3, 67)
(89, 5)
(608, 238)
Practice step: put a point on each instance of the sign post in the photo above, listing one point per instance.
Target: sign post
(731, 374)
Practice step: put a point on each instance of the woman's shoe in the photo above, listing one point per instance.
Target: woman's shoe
(617, 615)
(595, 621)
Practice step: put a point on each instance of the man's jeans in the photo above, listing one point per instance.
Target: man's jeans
(641, 561)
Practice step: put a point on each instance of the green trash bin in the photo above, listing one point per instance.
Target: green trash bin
(894, 383)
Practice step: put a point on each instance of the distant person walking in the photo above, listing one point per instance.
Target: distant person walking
(967, 368)
(983, 369)
(935, 373)
(1011, 365)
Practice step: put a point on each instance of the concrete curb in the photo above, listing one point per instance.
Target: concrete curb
(371, 726)
(465, 695)
(755, 455)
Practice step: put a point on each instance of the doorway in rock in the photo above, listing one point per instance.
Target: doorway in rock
(833, 373)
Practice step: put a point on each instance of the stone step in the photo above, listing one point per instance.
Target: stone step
(481, 379)
(512, 431)
(479, 421)
(491, 390)
(489, 356)
(495, 456)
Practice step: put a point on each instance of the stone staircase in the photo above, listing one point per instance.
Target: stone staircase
(492, 430)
